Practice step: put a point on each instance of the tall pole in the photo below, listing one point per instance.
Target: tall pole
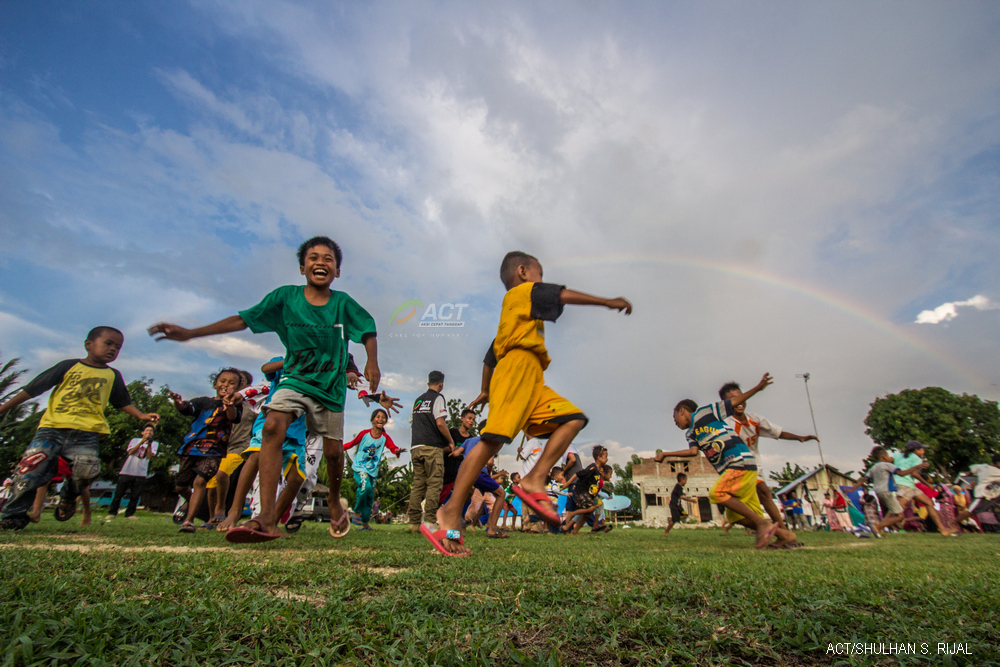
(805, 377)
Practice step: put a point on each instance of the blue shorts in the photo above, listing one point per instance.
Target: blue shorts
(485, 483)
(293, 454)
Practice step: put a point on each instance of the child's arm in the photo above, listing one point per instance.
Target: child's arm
(861, 482)
(690, 451)
(785, 435)
(372, 372)
(272, 367)
(358, 438)
(391, 446)
(915, 470)
(169, 331)
(182, 406)
(133, 450)
(572, 297)
(489, 364)
(569, 482)
(19, 398)
(141, 416)
(742, 398)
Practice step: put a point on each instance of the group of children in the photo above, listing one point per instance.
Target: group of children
(269, 428)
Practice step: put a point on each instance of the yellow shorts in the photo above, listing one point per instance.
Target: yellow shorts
(739, 484)
(293, 462)
(520, 401)
(228, 465)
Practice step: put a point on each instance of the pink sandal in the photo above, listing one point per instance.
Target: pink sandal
(532, 501)
(437, 538)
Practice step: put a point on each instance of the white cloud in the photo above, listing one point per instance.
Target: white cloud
(949, 311)
(231, 346)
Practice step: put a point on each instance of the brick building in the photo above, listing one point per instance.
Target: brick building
(656, 480)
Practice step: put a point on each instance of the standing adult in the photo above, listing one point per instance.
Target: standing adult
(431, 440)
(132, 476)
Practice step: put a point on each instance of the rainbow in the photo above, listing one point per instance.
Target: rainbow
(824, 296)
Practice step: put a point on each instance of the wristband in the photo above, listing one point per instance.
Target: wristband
(454, 535)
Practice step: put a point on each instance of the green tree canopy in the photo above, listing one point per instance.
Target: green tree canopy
(787, 474)
(957, 430)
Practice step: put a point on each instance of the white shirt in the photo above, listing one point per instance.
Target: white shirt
(534, 448)
(137, 465)
(751, 429)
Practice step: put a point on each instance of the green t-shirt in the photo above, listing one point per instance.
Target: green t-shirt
(905, 461)
(315, 339)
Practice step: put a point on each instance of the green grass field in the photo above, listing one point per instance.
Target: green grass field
(139, 593)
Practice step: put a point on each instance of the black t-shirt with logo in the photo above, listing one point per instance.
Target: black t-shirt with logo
(453, 463)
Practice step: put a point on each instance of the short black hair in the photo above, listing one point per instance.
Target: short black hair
(435, 377)
(97, 331)
(147, 426)
(681, 475)
(247, 378)
(878, 452)
(608, 470)
(555, 471)
(320, 240)
(728, 387)
(235, 371)
(376, 411)
(508, 267)
(686, 403)
(467, 411)
(598, 450)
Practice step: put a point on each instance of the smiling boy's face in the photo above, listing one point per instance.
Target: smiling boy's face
(320, 267)
(738, 409)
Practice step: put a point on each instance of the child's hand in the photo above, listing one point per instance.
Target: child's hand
(482, 399)
(659, 457)
(151, 417)
(389, 403)
(766, 380)
(353, 380)
(372, 374)
(805, 438)
(176, 398)
(169, 331)
(620, 304)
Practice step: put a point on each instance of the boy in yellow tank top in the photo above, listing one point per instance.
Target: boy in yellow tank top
(71, 426)
(514, 386)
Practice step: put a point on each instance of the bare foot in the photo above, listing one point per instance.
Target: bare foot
(85, 520)
(448, 522)
(34, 518)
(764, 535)
(261, 528)
(784, 537)
(725, 529)
(226, 524)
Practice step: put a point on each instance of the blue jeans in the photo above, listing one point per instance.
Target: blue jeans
(41, 460)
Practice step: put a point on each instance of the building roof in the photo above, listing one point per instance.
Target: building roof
(794, 483)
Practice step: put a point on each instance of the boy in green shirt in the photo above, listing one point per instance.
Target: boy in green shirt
(315, 324)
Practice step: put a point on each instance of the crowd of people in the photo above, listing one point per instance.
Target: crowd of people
(277, 431)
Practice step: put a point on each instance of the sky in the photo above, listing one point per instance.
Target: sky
(777, 187)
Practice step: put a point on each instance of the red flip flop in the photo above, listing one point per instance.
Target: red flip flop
(241, 535)
(436, 538)
(531, 500)
(768, 536)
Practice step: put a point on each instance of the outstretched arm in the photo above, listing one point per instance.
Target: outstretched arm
(169, 331)
(785, 435)
(690, 451)
(572, 297)
(19, 397)
(745, 396)
(141, 416)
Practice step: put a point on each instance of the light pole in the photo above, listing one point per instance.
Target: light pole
(805, 377)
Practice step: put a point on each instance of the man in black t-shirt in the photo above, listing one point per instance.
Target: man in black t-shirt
(676, 496)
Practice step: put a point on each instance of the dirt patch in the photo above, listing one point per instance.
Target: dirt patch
(285, 594)
(104, 546)
(387, 571)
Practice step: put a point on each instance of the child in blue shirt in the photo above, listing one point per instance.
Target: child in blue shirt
(371, 444)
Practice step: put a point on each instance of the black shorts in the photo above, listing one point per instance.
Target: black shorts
(675, 514)
(200, 466)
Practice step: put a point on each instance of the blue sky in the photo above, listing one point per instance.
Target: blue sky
(777, 187)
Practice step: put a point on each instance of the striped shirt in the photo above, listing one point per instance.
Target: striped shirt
(710, 433)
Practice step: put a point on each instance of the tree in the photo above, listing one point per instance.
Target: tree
(787, 474)
(10, 436)
(956, 430)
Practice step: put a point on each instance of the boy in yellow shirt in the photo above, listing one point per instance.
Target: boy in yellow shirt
(514, 386)
(71, 426)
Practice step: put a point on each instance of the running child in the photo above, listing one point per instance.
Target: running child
(585, 489)
(751, 427)
(486, 486)
(912, 454)
(514, 387)
(239, 439)
(736, 489)
(370, 443)
(206, 443)
(880, 474)
(987, 489)
(314, 323)
(676, 496)
(71, 426)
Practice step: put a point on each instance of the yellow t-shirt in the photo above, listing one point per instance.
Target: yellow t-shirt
(522, 316)
(81, 392)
